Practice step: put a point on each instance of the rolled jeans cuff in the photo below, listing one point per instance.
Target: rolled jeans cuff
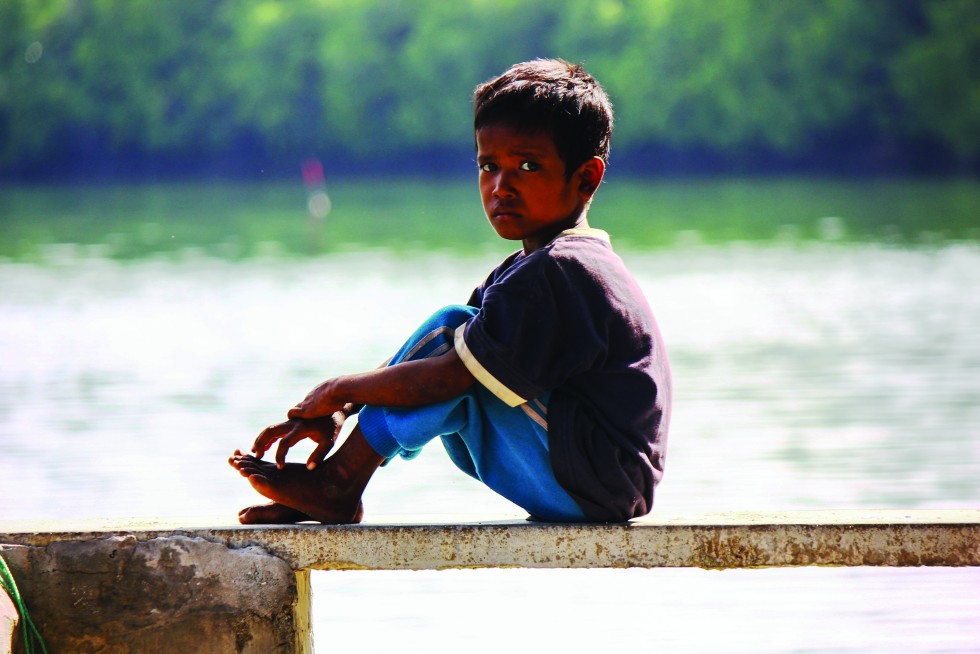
(376, 432)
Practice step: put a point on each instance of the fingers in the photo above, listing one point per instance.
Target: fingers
(270, 435)
(293, 437)
(323, 431)
(319, 454)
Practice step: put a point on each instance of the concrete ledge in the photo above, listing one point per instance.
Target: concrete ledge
(176, 587)
(705, 540)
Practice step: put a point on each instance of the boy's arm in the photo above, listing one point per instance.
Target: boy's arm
(409, 383)
(405, 384)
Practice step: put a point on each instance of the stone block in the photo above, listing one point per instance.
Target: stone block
(9, 635)
(174, 594)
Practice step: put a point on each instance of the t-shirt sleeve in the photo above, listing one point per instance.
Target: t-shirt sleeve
(531, 334)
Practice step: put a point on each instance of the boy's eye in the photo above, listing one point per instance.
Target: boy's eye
(529, 165)
(488, 167)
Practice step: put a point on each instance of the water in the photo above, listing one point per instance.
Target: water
(809, 375)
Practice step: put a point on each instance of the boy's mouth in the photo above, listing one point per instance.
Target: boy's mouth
(504, 211)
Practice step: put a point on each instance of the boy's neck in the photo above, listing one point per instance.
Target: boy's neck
(581, 221)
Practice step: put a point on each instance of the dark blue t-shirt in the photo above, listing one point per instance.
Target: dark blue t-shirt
(569, 319)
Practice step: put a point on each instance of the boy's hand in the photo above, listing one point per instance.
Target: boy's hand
(323, 431)
(318, 403)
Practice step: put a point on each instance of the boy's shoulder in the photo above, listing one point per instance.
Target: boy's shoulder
(588, 252)
(585, 242)
(577, 234)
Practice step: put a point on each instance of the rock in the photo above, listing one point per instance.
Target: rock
(174, 594)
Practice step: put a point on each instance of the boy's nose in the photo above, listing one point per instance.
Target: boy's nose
(504, 186)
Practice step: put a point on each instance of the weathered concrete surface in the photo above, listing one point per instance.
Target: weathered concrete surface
(9, 635)
(720, 540)
(179, 594)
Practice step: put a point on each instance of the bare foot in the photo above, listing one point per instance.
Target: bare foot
(274, 513)
(297, 493)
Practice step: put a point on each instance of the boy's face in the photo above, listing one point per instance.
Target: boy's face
(526, 194)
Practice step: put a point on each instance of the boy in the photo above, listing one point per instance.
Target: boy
(551, 385)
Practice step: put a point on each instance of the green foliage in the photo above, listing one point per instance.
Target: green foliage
(375, 78)
(33, 93)
(937, 76)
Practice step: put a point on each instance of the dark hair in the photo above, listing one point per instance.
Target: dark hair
(550, 95)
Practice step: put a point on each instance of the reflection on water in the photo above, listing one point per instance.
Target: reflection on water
(773, 611)
(807, 377)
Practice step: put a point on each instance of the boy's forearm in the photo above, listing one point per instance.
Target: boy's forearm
(351, 408)
(409, 383)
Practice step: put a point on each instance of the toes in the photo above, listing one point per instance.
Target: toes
(250, 515)
(237, 459)
(252, 463)
(253, 469)
(273, 513)
(248, 473)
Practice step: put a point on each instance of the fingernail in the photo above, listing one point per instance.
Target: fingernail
(310, 465)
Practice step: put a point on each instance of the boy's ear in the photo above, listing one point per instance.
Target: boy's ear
(590, 176)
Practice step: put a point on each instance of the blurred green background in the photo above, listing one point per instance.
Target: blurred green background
(129, 127)
(110, 89)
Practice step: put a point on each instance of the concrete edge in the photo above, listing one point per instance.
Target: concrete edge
(715, 540)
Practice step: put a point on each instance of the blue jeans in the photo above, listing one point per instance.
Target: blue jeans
(504, 447)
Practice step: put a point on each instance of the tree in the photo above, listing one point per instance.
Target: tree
(937, 78)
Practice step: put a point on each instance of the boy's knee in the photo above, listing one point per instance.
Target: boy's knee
(434, 335)
(453, 315)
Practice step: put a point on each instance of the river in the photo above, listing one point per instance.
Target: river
(809, 375)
